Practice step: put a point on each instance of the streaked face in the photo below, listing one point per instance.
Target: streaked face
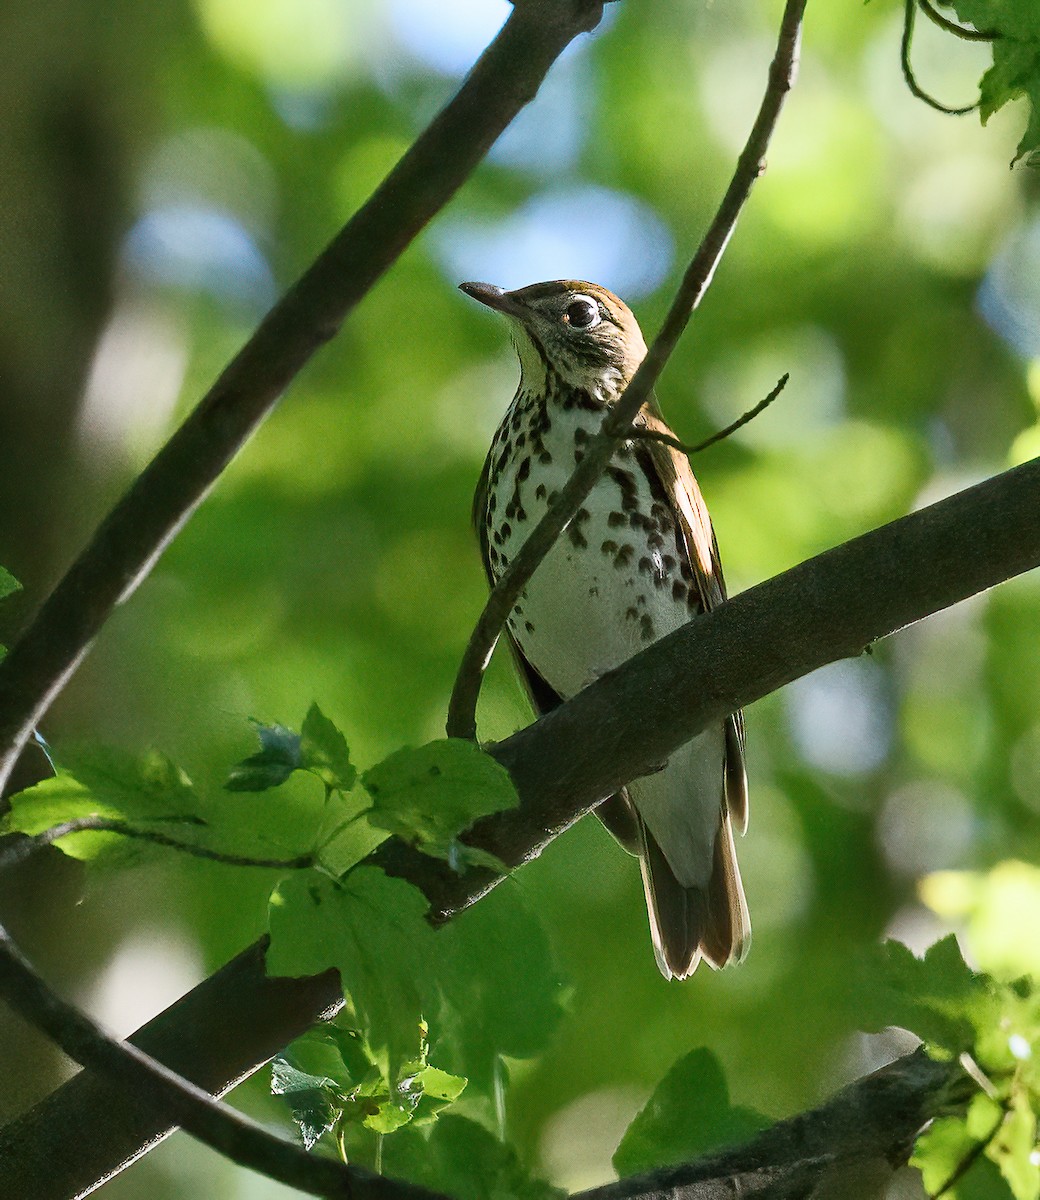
(580, 330)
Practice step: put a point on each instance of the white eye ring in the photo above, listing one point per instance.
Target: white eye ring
(582, 313)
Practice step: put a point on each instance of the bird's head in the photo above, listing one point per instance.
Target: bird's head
(579, 331)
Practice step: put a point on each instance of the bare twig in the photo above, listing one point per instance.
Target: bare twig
(909, 14)
(619, 728)
(462, 707)
(216, 1124)
(15, 848)
(163, 497)
(653, 435)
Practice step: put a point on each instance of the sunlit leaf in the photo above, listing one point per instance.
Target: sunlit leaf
(430, 795)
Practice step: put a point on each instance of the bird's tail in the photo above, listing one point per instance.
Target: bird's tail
(691, 923)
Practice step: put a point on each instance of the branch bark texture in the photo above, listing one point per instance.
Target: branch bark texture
(827, 608)
(139, 528)
(849, 1147)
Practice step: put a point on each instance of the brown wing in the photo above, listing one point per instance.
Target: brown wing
(673, 471)
(616, 811)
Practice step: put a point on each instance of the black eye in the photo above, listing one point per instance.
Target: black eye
(582, 314)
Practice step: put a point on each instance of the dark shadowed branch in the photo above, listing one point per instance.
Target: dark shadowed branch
(849, 1147)
(233, 1135)
(165, 494)
(626, 723)
(462, 707)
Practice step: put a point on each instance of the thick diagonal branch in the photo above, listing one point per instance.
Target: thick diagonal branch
(163, 497)
(233, 1135)
(828, 608)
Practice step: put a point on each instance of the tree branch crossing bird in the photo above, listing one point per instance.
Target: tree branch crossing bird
(638, 560)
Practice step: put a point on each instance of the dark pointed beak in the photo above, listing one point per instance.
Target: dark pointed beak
(493, 296)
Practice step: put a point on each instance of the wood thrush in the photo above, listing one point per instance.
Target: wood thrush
(638, 560)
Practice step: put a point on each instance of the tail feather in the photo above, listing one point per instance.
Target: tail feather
(688, 924)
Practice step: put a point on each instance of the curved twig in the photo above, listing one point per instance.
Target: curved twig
(462, 707)
(958, 31)
(909, 14)
(653, 435)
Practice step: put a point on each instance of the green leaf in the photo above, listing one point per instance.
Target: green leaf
(938, 997)
(345, 837)
(430, 795)
(312, 1099)
(688, 1114)
(484, 984)
(940, 1150)
(279, 756)
(500, 993)
(1015, 72)
(323, 751)
(328, 1080)
(461, 1158)
(1014, 1146)
(373, 929)
(142, 790)
(8, 583)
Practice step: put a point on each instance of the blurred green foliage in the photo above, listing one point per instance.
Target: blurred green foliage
(887, 259)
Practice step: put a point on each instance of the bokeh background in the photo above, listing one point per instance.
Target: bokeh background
(168, 169)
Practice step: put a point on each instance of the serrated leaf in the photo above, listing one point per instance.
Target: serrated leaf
(430, 795)
(461, 1158)
(485, 983)
(8, 583)
(373, 929)
(1015, 72)
(323, 751)
(688, 1114)
(145, 790)
(311, 1099)
(279, 756)
(938, 997)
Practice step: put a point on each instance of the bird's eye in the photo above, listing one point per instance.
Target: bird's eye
(582, 314)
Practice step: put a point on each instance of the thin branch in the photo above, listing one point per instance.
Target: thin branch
(15, 848)
(619, 728)
(910, 12)
(653, 435)
(868, 1126)
(227, 1131)
(163, 497)
(462, 707)
(958, 31)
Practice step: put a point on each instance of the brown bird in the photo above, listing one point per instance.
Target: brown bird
(638, 560)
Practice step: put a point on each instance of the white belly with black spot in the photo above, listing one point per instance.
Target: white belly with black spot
(604, 591)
